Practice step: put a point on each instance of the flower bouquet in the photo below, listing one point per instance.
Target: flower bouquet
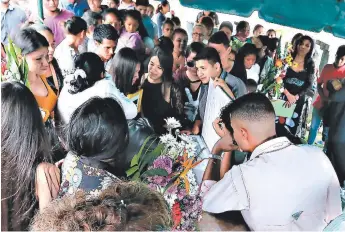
(168, 170)
(16, 67)
(273, 87)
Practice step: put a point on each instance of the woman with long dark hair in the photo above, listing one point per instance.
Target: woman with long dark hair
(244, 60)
(67, 50)
(88, 81)
(297, 81)
(124, 75)
(35, 48)
(24, 148)
(94, 137)
(54, 73)
(161, 96)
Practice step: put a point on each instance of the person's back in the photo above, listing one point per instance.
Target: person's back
(282, 186)
(300, 182)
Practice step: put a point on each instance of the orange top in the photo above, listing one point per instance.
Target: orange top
(47, 103)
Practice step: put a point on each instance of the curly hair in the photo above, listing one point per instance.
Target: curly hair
(125, 206)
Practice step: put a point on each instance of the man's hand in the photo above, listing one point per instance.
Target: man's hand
(196, 127)
(224, 144)
(219, 127)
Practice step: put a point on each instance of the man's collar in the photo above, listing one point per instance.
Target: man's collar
(11, 7)
(271, 146)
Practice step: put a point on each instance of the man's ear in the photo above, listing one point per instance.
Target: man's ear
(244, 133)
(217, 65)
(228, 50)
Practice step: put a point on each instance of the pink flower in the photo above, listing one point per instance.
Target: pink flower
(163, 162)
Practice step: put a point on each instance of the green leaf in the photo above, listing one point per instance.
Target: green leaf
(148, 150)
(132, 170)
(171, 182)
(135, 160)
(136, 176)
(155, 172)
(149, 158)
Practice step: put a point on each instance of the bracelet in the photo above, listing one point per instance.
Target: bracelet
(217, 157)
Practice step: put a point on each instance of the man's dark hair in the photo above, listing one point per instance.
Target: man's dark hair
(142, 3)
(251, 85)
(241, 26)
(105, 31)
(252, 107)
(340, 52)
(113, 11)
(209, 54)
(220, 38)
(195, 47)
(92, 18)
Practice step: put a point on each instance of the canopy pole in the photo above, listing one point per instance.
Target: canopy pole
(40, 10)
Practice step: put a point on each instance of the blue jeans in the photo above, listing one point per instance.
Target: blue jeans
(315, 124)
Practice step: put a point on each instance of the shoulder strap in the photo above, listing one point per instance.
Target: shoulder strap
(56, 83)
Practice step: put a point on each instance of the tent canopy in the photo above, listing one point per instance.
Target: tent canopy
(310, 15)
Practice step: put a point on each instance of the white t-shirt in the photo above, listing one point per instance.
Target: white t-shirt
(253, 72)
(68, 103)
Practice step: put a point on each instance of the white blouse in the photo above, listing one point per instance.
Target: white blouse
(68, 103)
(65, 56)
(253, 73)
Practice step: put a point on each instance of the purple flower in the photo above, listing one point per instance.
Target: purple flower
(160, 180)
(163, 162)
(171, 190)
(181, 193)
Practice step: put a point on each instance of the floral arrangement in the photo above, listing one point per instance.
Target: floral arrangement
(168, 170)
(16, 67)
(274, 87)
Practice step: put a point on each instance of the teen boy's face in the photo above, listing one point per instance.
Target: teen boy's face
(206, 70)
(142, 10)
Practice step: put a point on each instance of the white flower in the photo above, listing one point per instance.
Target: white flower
(167, 139)
(186, 138)
(170, 198)
(194, 187)
(172, 123)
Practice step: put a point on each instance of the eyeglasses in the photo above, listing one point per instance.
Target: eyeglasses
(198, 34)
(191, 64)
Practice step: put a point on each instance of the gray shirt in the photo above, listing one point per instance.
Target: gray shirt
(11, 20)
(236, 85)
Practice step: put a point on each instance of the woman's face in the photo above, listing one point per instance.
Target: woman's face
(341, 61)
(38, 61)
(191, 62)
(131, 25)
(94, 4)
(249, 61)
(180, 42)
(136, 74)
(166, 8)
(155, 70)
(50, 38)
(245, 32)
(259, 31)
(112, 4)
(304, 47)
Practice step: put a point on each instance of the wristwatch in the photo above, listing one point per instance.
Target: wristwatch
(218, 157)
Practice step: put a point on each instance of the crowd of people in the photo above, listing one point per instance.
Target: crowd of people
(66, 129)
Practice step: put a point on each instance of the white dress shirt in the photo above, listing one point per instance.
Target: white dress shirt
(281, 187)
(253, 73)
(68, 103)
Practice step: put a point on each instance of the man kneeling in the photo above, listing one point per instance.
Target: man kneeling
(281, 186)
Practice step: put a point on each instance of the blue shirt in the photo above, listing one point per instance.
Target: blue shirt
(11, 21)
(148, 24)
(78, 8)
